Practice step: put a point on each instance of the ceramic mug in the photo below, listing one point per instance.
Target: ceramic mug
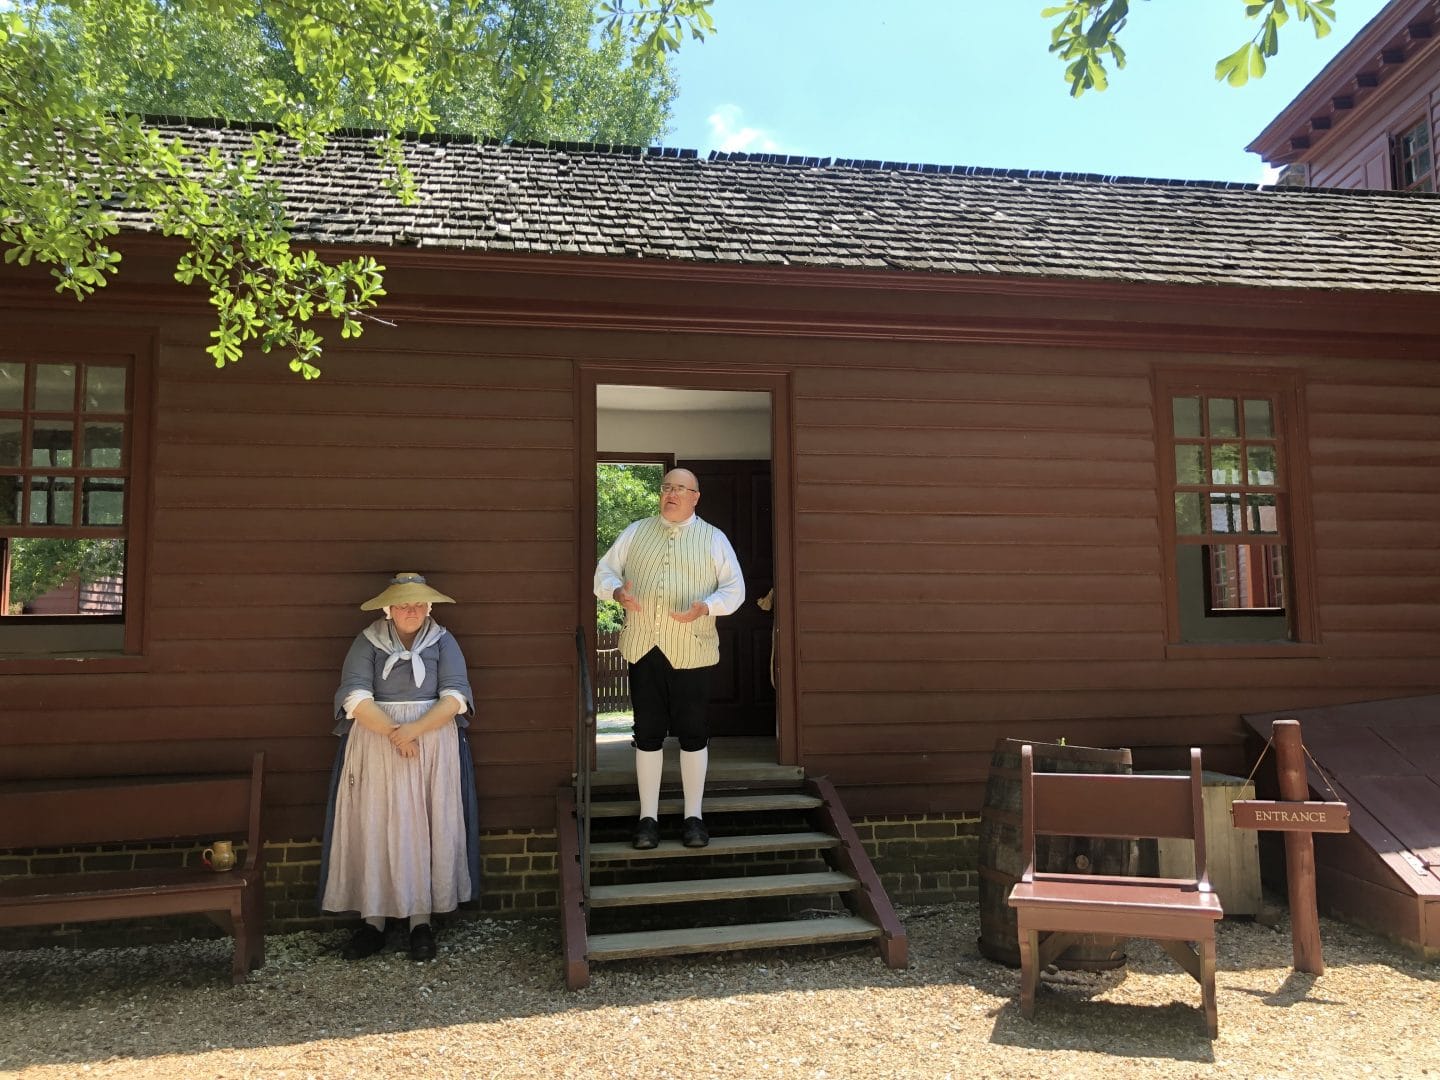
(219, 856)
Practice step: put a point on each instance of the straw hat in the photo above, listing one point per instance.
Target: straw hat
(406, 588)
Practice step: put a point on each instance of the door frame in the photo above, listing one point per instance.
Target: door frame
(782, 473)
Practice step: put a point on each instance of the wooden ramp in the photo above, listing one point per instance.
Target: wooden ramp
(1383, 758)
(784, 867)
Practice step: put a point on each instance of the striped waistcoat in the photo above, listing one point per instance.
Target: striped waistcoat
(669, 568)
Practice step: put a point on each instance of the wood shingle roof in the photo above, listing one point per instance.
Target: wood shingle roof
(772, 210)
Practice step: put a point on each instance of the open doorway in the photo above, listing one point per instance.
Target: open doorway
(725, 438)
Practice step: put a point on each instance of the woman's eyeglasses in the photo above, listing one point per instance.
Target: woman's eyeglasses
(675, 489)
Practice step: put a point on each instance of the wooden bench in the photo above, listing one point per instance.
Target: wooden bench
(1061, 907)
(50, 814)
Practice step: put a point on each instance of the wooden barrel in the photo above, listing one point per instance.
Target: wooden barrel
(1001, 861)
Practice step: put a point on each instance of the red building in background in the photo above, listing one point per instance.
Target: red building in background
(1368, 119)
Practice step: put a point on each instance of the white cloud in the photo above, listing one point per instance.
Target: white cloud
(729, 134)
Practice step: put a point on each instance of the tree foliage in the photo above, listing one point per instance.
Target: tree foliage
(76, 76)
(623, 493)
(39, 564)
(1086, 35)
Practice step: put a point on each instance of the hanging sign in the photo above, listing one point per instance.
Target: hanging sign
(1310, 817)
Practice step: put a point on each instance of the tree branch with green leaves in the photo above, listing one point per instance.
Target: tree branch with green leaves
(76, 76)
(1086, 36)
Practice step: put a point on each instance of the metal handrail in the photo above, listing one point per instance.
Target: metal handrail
(584, 760)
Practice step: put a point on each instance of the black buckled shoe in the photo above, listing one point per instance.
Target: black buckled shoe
(422, 943)
(366, 941)
(693, 833)
(647, 834)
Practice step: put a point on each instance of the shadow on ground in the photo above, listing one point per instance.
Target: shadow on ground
(76, 1007)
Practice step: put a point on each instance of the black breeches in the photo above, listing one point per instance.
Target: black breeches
(669, 701)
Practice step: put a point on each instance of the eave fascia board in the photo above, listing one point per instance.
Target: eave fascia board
(1273, 143)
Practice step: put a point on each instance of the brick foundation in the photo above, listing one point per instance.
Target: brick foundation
(921, 859)
(925, 858)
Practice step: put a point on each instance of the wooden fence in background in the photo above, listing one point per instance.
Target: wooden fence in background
(612, 677)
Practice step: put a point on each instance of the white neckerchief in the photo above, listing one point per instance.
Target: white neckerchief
(381, 633)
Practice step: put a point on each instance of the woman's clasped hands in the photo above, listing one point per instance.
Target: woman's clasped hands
(406, 742)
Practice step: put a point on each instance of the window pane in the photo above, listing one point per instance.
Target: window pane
(1189, 463)
(1259, 422)
(1261, 514)
(1260, 466)
(104, 500)
(1186, 413)
(11, 490)
(12, 386)
(1246, 577)
(54, 387)
(9, 443)
(1189, 520)
(1224, 512)
(1225, 463)
(52, 500)
(52, 443)
(103, 443)
(104, 389)
(1222, 418)
(66, 576)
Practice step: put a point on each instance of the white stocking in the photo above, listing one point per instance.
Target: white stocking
(648, 766)
(693, 764)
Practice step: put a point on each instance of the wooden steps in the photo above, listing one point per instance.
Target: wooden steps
(702, 939)
(750, 802)
(720, 772)
(794, 838)
(621, 851)
(724, 888)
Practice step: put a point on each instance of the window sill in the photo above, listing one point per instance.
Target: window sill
(1265, 650)
(64, 665)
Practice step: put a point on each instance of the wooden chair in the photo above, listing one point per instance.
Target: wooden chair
(1053, 909)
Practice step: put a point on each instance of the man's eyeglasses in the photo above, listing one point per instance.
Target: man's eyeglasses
(675, 489)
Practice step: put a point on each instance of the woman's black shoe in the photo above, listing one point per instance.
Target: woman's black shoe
(367, 941)
(422, 943)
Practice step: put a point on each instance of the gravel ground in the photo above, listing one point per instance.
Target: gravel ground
(493, 1005)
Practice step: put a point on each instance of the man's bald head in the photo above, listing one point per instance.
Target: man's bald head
(679, 494)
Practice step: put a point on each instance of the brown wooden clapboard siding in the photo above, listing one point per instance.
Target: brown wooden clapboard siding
(278, 507)
(124, 724)
(1022, 583)
(302, 593)
(1359, 478)
(357, 556)
(939, 605)
(1376, 504)
(1083, 677)
(976, 530)
(909, 586)
(822, 646)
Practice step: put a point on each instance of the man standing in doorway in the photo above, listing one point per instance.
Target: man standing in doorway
(675, 575)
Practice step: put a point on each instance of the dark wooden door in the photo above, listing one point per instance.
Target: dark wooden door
(735, 498)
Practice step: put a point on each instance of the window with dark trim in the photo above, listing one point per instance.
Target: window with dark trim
(1231, 528)
(68, 506)
(1411, 160)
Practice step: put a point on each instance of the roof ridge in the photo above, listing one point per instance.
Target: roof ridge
(805, 161)
(443, 138)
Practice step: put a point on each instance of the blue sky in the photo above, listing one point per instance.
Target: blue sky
(969, 82)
